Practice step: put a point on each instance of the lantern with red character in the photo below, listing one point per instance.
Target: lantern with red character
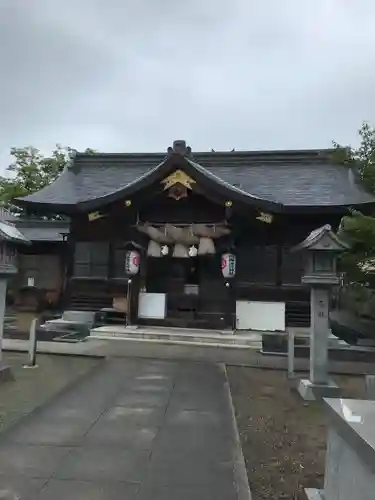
(228, 265)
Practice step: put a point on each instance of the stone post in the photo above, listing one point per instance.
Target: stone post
(31, 363)
(5, 371)
(319, 335)
(10, 237)
(319, 383)
(370, 386)
(291, 346)
(3, 290)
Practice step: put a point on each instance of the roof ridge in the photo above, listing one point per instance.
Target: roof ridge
(256, 152)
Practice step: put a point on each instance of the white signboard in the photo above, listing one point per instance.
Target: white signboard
(152, 305)
(260, 316)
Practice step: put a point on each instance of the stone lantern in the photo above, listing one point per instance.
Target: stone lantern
(321, 248)
(10, 238)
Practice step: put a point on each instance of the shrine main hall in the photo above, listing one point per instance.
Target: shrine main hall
(196, 239)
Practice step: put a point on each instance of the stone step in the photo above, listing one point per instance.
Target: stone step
(63, 327)
(174, 342)
(71, 337)
(191, 331)
(177, 335)
(71, 322)
(87, 317)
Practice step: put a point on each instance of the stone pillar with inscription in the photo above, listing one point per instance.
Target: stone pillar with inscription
(319, 301)
(321, 248)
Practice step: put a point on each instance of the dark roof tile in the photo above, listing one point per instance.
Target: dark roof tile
(304, 178)
(35, 229)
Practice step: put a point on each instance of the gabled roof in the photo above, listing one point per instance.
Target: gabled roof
(278, 180)
(323, 239)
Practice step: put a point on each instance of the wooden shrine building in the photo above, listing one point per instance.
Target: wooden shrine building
(189, 217)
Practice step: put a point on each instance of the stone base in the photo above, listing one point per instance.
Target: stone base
(310, 391)
(313, 494)
(5, 373)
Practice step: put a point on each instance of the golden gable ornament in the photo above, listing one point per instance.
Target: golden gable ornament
(178, 177)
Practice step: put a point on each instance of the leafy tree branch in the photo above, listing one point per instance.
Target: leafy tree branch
(31, 171)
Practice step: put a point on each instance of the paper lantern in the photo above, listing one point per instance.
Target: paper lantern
(228, 265)
(132, 262)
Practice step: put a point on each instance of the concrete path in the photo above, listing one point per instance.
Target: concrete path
(133, 429)
(228, 355)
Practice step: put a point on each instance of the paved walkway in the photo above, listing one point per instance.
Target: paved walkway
(133, 429)
(231, 356)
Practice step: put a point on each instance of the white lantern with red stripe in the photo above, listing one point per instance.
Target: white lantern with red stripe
(228, 265)
(132, 262)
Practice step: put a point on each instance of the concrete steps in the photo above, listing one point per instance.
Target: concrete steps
(73, 326)
(178, 336)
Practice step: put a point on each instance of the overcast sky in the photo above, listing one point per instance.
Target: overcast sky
(133, 75)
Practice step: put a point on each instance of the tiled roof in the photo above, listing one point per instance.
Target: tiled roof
(42, 230)
(31, 228)
(9, 232)
(305, 178)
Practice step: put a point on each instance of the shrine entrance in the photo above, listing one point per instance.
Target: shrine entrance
(185, 230)
(189, 292)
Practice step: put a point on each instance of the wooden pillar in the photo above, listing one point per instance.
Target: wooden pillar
(279, 263)
(138, 281)
(111, 261)
(68, 268)
(279, 253)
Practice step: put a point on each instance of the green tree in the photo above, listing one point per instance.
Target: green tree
(358, 228)
(30, 171)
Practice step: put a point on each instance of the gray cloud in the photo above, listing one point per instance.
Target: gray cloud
(118, 75)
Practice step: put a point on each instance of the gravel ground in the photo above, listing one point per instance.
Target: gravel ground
(32, 387)
(283, 438)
